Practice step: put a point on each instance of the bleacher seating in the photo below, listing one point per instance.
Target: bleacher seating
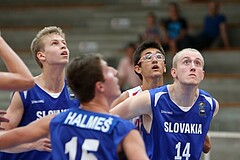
(93, 27)
(105, 26)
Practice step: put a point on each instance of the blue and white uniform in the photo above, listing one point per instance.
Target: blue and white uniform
(37, 104)
(176, 134)
(80, 134)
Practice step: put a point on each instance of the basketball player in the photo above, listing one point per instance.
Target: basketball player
(150, 68)
(49, 95)
(90, 132)
(150, 72)
(179, 114)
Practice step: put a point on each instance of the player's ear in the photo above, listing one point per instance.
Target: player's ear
(41, 56)
(137, 68)
(173, 72)
(165, 68)
(99, 86)
(203, 75)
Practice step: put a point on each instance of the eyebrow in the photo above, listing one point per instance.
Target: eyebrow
(194, 59)
(58, 40)
(54, 40)
(152, 53)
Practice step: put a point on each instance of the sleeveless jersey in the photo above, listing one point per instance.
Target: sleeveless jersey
(175, 134)
(133, 92)
(80, 134)
(37, 104)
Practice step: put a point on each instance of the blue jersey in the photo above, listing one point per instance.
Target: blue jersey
(176, 134)
(37, 104)
(80, 134)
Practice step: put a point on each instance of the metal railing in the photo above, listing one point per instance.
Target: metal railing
(213, 134)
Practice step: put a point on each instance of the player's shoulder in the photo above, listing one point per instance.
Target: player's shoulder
(123, 123)
(163, 88)
(134, 91)
(204, 93)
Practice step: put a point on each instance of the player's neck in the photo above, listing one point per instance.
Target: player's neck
(183, 96)
(151, 83)
(94, 106)
(51, 83)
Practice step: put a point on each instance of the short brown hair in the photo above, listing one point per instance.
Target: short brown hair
(82, 74)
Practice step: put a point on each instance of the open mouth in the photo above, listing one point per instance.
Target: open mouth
(64, 53)
(155, 67)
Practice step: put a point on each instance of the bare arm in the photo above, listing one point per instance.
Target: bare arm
(43, 144)
(217, 108)
(133, 146)
(134, 106)
(14, 114)
(19, 77)
(207, 145)
(183, 34)
(163, 30)
(2, 118)
(224, 35)
(120, 99)
(30, 133)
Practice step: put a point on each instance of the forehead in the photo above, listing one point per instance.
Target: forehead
(104, 64)
(150, 50)
(105, 67)
(190, 55)
(52, 37)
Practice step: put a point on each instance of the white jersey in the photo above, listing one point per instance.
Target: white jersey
(133, 92)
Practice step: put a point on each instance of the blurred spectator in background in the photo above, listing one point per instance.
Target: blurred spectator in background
(126, 74)
(174, 30)
(214, 28)
(152, 31)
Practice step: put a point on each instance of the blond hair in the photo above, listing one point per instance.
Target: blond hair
(179, 54)
(37, 43)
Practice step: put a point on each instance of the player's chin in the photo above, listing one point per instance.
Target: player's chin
(117, 94)
(64, 61)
